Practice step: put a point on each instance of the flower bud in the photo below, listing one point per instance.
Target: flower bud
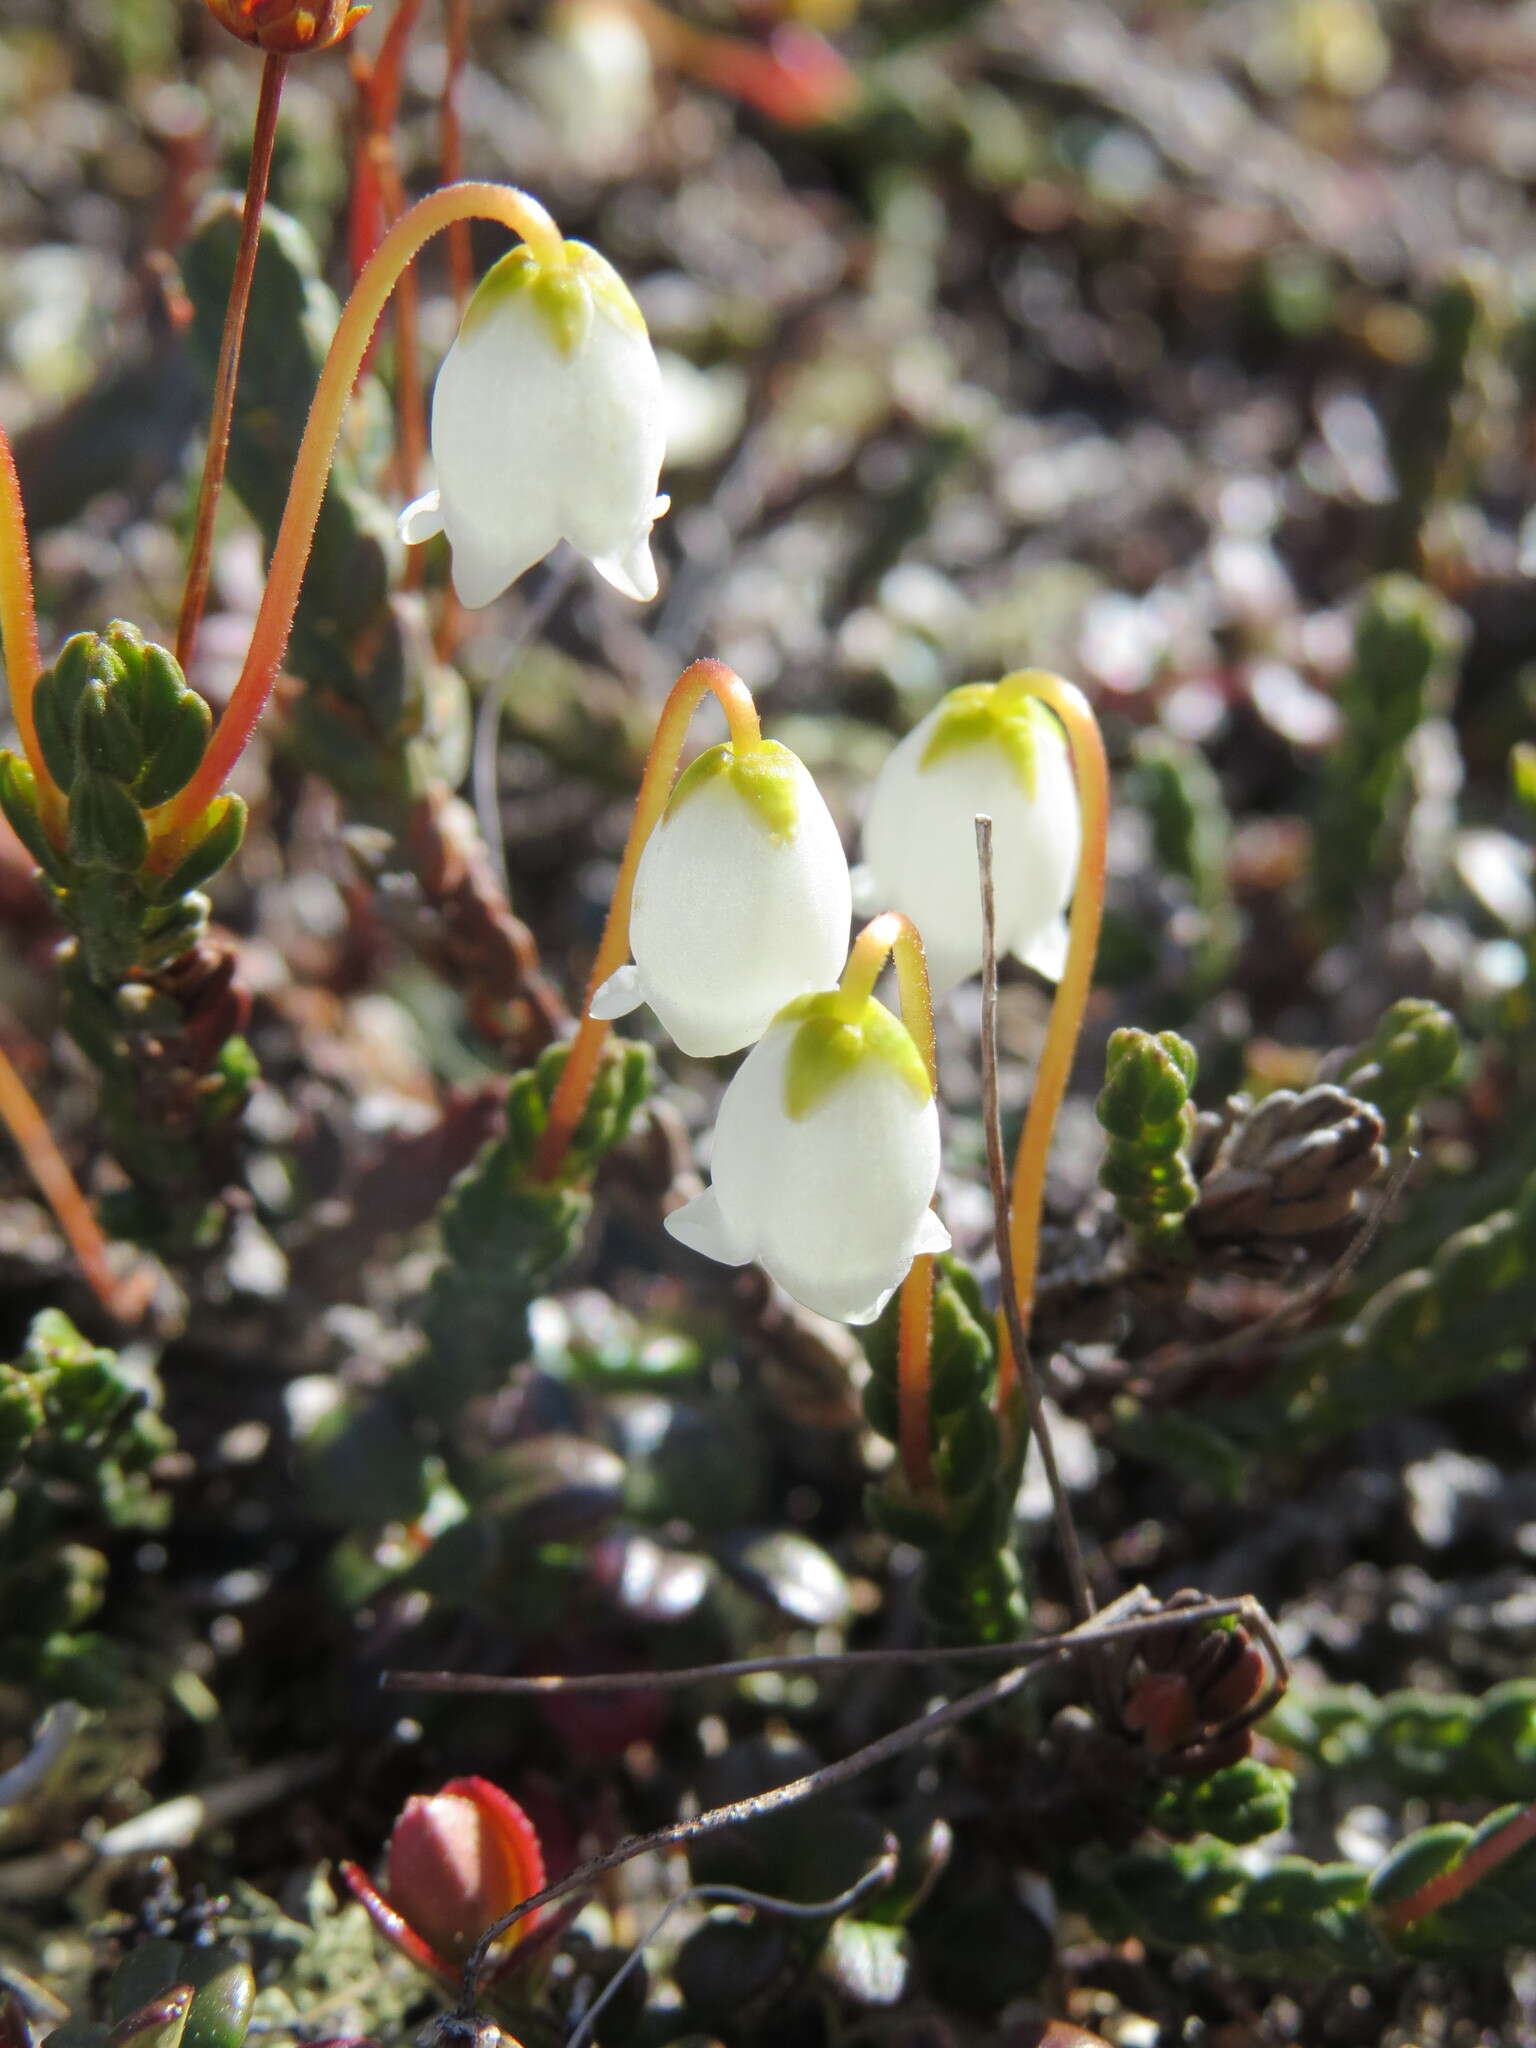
(826, 1154)
(287, 27)
(742, 901)
(546, 426)
(458, 1860)
(990, 750)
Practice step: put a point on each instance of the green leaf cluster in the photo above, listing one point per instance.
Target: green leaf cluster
(170, 1994)
(972, 1582)
(1453, 1745)
(1405, 646)
(78, 1440)
(1414, 1052)
(376, 709)
(1145, 1108)
(120, 734)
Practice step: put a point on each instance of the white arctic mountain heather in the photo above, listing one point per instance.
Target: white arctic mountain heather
(826, 1154)
(985, 750)
(546, 426)
(742, 901)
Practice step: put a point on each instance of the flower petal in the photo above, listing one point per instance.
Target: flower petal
(1047, 952)
(619, 994)
(633, 573)
(701, 1225)
(421, 519)
(931, 1235)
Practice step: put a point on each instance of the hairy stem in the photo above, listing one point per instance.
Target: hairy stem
(451, 146)
(200, 558)
(290, 554)
(18, 614)
(1027, 1196)
(1012, 1337)
(125, 1299)
(698, 680)
(893, 936)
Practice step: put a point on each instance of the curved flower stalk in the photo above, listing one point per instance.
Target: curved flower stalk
(826, 1150)
(733, 892)
(994, 750)
(349, 345)
(1026, 1194)
(458, 1860)
(546, 426)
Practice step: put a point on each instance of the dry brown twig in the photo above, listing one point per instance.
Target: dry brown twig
(1025, 1658)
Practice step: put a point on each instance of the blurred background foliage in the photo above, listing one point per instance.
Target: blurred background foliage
(1187, 348)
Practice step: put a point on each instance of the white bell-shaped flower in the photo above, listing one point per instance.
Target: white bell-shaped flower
(987, 750)
(826, 1154)
(742, 901)
(546, 426)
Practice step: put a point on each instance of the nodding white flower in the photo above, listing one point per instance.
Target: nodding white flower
(742, 901)
(546, 426)
(987, 749)
(826, 1153)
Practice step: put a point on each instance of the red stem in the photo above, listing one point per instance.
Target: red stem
(199, 561)
(1452, 1884)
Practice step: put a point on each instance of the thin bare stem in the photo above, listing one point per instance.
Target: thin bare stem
(574, 1088)
(1454, 1883)
(809, 1663)
(451, 145)
(559, 576)
(379, 88)
(1027, 1196)
(891, 936)
(911, 1735)
(200, 558)
(876, 1878)
(1010, 1322)
(290, 554)
(18, 614)
(126, 1299)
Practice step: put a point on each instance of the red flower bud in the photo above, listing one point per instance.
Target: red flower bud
(458, 1860)
(286, 27)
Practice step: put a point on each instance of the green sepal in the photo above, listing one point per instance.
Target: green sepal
(219, 832)
(176, 759)
(106, 826)
(19, 802)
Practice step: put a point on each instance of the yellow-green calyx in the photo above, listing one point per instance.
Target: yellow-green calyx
(564, 295)
(762, 776)
(834, 1037)
(991, 714)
